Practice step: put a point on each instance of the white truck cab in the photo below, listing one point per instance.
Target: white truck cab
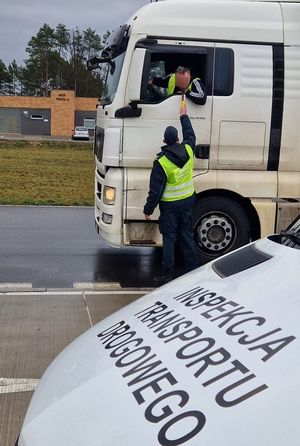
(212, 358)
(247, 165)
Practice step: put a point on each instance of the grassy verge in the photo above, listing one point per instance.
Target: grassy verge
(46, 173)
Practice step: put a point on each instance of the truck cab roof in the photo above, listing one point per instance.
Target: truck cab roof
(240, 21)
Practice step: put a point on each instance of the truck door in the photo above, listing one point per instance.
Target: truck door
(143, 135)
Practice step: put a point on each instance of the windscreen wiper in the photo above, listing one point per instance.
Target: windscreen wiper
(294, 236)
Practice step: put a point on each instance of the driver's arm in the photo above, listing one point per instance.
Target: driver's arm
(160, 81)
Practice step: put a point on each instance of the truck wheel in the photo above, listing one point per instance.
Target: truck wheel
(220, 225)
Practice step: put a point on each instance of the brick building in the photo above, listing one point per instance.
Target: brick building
(56, 115)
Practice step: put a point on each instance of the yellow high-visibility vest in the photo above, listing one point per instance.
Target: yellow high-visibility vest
(179, 183)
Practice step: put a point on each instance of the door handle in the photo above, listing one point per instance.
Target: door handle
(202, 151)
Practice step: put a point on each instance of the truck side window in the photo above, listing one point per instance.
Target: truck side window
(204, 62)
(157, 70)
(161, 65)
(224, 72)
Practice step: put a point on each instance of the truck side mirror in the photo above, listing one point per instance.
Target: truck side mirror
(92, 63)
(136, 75)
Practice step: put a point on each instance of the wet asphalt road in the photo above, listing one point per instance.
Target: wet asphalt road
(55, 247)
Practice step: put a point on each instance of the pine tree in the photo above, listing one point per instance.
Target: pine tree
(5, 78)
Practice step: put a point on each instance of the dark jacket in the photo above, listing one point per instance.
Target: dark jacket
(178, 155)
(197, 94)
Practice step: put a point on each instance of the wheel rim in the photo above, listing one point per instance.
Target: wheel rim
(215, 233)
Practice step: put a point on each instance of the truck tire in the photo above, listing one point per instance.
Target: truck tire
(220, 226)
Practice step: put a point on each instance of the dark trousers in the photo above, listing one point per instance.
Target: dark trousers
(177, 225)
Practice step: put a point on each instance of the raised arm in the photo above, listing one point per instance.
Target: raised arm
(188, 133)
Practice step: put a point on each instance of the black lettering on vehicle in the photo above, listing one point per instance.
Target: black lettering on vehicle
(186, 335)
(188, 296)
(231, 332)
(230, 315)
(174, 329)
(244, 340)
(220, 397)
(213, 358)
(154, 385)
(166, 322)
(200, 301)
(144, 368)
(268, 346)
(107, 335)
(158, 308)
(200, 421)
(120, 350)
(157, 318)
(208, 344)
(148, 308)
(134, 357)
(213, 302)
(237, 367)
(119, 340)
(165, 411)
(111, 329)
(219, 308)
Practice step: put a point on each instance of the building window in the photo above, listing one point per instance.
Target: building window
(37, 117)
(89, 123)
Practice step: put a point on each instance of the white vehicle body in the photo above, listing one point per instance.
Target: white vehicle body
(247, 166)
(81, 133)
(212, 358)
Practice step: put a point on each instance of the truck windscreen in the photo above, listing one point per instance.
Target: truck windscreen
(112, 79)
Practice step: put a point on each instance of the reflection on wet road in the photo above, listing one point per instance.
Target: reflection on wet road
(58, 246)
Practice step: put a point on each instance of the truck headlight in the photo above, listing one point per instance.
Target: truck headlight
(109, 195)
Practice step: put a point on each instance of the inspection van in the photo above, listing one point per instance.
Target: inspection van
(247, 165)
(212, 358)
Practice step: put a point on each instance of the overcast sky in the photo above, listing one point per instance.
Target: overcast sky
(21, 19)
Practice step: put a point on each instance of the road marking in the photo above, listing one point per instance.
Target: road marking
(87, 309)
(15, 385)
(15, 286)
(97, 285)
(70, 292)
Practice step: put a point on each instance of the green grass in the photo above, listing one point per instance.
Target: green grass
(46, 173)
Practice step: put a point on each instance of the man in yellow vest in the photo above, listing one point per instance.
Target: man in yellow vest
(171, 186)
(180, 82)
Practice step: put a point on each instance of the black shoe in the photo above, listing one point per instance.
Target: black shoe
(164, 278)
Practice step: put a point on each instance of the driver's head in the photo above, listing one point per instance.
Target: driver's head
(182, 78)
